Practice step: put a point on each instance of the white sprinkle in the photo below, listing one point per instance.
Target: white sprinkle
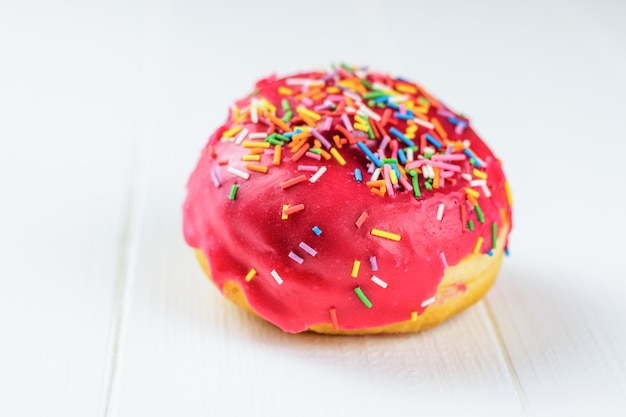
(238, 172)
(374, 263)
(223, 139)
(354, 96)
(370, 113)
(443, 259)
(307, 249)
(440, 212)
(409, 155)
(254, 114)
(477, 183)
(318, 174)
(383, 87)
(466, 176)
(486, 191)
(258, 135)
(423, 123)
(296, 258)
(277, 277)
(378, 281)
(350, 109)
(241, 136)
(398, 99)
(428, 302)
(375, 175)
(311, 168)
(429, 149)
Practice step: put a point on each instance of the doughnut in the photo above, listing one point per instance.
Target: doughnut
(348, 201)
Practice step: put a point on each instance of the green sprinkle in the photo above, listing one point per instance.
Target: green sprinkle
(367, 84)
(274, 141)
(233, 192)
(281, 137)
(416, 186)
(428, 155)
(380, 105)
(374, 94)
(255, 92)
(287, 117)
(363, 298)
(285, 103)
(346, 67)
(428, 185)
(479, 213)
(371, 103)
(494, 234)
(470, 225)
(316, 151)
(423, 101)
(390, 161)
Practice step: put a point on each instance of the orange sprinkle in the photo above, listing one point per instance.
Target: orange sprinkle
(379, 191)
(406, 88)
(222, 162)
(385, 117)
(300, 152)
(463, 217)
(436, 178)
(293, 209)
(257, 168)
(337, 141)
(333, 90)
(255, 151)
(293, 181)
(471, 199)
(345, 132)
(277, 154)
(359, 222)
(285, 127)
(377, 183)
(325, 154)
(308, 120)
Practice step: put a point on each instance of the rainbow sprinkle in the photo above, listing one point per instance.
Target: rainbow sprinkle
(362, 297)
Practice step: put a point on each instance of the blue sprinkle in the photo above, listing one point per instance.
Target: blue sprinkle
(289, 134)
(506, 251)
(490, 252)
(317, 230)
(369, 154)
(401, 156)
(402, 116)
(432, 140)
(453, 120)
(393, 105)
(471, 155)
(357, 175)
(381, 99)
(400, 136)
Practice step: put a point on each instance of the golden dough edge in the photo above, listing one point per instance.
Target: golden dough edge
(477, 272)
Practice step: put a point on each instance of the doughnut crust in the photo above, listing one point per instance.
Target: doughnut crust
(286, 223)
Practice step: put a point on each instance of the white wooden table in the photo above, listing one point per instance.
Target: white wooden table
(103, 111)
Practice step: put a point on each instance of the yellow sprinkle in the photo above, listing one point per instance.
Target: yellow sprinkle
(283, 215)
(384, 234)
(303, 111)
(359, 119)
(411, 129)
(479, 174)
(257, 168)
(250, 275)
(277, 154)
(472, 192)
(255, 151)
(421, 110)
(251, 158)
(232, 132)
(479, 243)
(268, 105)
(249, 144)
(410, 135)
(406, 88)
(286, 91)
(333, 90)
(355, 268)
(394, 176)
(509, 196)
(361, 127)
(334, 152)
(235, 112)
(413, 315)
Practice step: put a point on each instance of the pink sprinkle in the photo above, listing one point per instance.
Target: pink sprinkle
(407, 186)
(346, 122)
(384, 143)
(326, 125)
(307, 101)
(394, 149)
(311, 168)
(420, 162)
(386, 171)
(453, 157)
(313, 155)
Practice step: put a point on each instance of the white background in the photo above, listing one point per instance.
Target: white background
(104, 107)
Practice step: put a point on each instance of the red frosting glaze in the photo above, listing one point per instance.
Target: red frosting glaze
(248, 231)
